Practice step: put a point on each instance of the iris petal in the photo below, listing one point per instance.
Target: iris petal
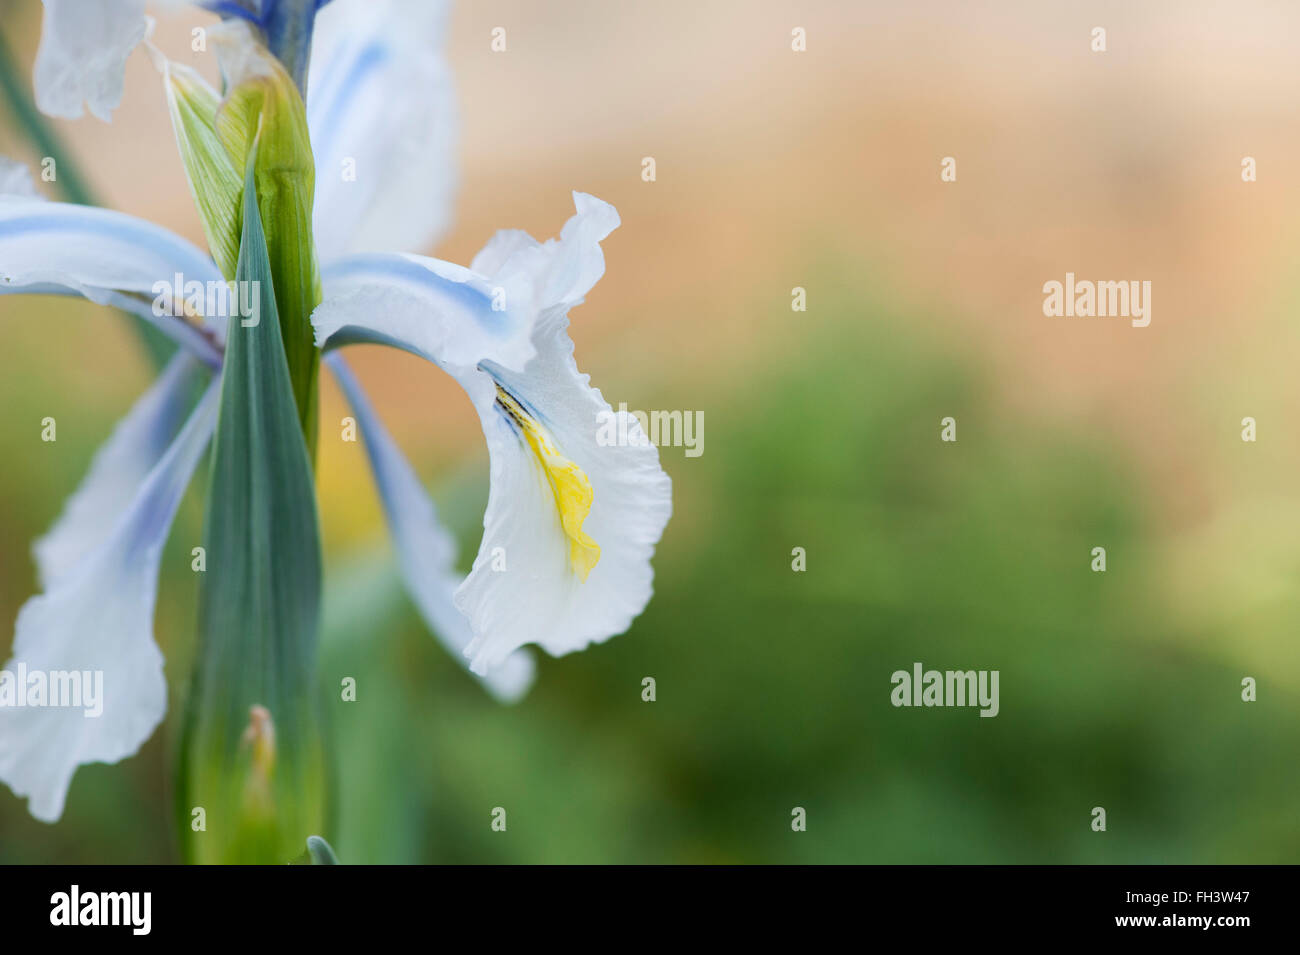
(383, 121)
(426, 551)
(120, 467)
(82, 55)
(98, 619)
(553, 591)
(111, 259)
(571, 522)
(442, 312)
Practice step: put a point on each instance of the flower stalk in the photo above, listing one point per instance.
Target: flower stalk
(252, 754)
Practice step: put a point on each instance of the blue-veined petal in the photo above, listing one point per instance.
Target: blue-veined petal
(572, 519)
(98, 619)
(112, 259)
(82, 55)
(383, 121)
(426, 551)
(120, 467)
(439, 311)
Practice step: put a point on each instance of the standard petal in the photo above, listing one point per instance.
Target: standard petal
(120, 467)
(82, 55)
(383, 121)
(113, 259)
(97, 622)
(426, 551)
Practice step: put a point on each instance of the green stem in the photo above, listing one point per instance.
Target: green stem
(288, 35)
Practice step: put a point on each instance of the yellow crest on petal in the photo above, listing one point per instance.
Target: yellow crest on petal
(569, 484)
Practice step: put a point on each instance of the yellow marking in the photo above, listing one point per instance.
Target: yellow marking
(569, 484)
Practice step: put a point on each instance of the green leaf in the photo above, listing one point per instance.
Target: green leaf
(320, 851)
(215, 174)
(252, 756)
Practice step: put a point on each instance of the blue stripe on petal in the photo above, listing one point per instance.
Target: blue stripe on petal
(120, 466)
(437, 310)
(384, 120)
(470, 292)
(72, 222)
(109, 258)
(328, 107)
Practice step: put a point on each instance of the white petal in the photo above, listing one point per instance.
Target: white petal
(426, 551)
(383, 121)
(120, 466)
(82, 55)
(99, 618)
(541, 596)
(562, 270)
(16, 179)
(437, 310)
(547, 414)
(111, 259)
(460, 317)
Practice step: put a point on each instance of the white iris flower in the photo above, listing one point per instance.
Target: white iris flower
(570, 525)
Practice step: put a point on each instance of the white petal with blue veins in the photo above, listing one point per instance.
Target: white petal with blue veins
(120, 467)
(112, 259)
(98, 618)
(571, 522)
(384, 126)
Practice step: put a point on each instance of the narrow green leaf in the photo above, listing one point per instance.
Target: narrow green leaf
(214, 173)
(252, 756)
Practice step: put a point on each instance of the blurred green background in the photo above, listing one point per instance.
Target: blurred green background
(1119, 690)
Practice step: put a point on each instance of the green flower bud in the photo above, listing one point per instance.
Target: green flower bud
(261, 103)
